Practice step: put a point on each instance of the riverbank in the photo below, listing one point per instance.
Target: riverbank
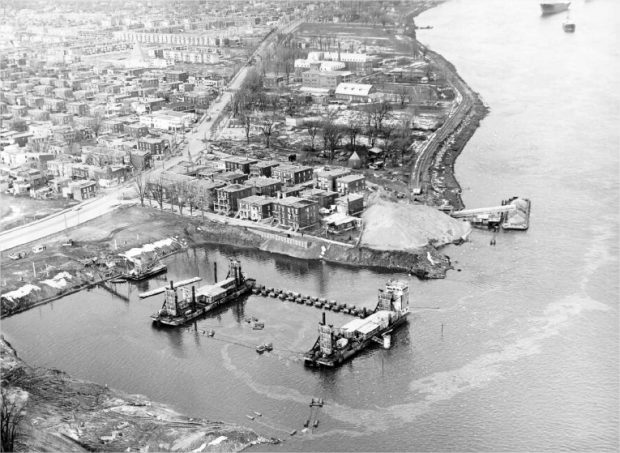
(444, 187)
(93, 254)
(60, 413)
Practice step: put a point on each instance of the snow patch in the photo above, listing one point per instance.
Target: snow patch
(218, 441)
(21, 292)
(58, 281)
(132, 253)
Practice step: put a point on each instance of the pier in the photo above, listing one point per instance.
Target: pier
(317, 302)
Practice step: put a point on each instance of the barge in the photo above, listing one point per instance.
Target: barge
(142, 272)
(336, 345)
(518, 218)
(179, 310)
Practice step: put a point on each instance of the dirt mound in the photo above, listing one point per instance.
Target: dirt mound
(400, 226)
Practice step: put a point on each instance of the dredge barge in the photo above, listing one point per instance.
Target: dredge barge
(179, 310)
(336, 345)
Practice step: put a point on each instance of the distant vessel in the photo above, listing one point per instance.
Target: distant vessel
(518, 218)
(568, 25)
(177, 311)
(554, 7)
(336, 345)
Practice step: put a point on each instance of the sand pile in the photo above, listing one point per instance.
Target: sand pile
(400, 226)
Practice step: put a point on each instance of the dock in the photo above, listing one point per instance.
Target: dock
(160, 290)
(311, 301)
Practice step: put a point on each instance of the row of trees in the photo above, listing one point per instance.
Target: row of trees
(180, 193)
(374, 123)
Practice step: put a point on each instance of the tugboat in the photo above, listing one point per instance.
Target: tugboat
(176, 311)
(336, 345)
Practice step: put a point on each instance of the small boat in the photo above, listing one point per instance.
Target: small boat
(250, 417)
(273, 295)
(268, 347)
(316, 423)
(282, 296)
(569, 26)
(309, 302)
(306, 423)
(258, 326)
(118, 280)
(260, 349)
(255, 290)
(258, 414)
(211, 333)
(292, 433)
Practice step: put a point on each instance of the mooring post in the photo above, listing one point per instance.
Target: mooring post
(215, 271)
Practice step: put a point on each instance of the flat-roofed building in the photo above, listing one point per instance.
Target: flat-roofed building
(242, 164)
(262, 168)
(326, 178)
(256, 207)
(264, 186)
(227, 201)
(292, 174)
(350, 184)
(296, 213)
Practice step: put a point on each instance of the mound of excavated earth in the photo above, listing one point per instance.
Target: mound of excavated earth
(400, 226)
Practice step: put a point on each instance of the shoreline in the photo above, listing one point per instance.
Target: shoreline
(425, 263)
(62, 413)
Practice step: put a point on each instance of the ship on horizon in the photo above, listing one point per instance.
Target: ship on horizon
(553, 7)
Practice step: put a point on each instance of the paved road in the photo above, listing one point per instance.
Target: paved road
(60, 221)
(94, 208)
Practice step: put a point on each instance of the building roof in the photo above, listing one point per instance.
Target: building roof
(353, 89)
(257, 200)
(350, 178)
(262, 182)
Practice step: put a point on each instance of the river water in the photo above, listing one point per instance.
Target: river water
(522, 353)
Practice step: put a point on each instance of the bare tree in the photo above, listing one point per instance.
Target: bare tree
(156, 190)
(332, 134)
(353, 130)
(140, 182)
(97, 123)
(10, 417)
(313, 128)
(246, 120)
(266, 126)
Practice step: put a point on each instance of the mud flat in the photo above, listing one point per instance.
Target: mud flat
(61, 413)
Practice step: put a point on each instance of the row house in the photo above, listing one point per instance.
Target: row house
(264, 186)
(256, 208)
(61, 119)
(113, 126)
(43, 90)
(63, 93)
(205, 192)
(77, 108)
(296, 213)
(326, 178)
(136, 130)
(155, 145)
(262, 169)
(292, 174)
(34, 102)
(351, 204)
(18, 110)
(238, 163)
(54, 105)
(140, 160)
(82, 190)
(39, 115)
(232, 177)
(325, 198)
(350, 184)
(227, 202)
